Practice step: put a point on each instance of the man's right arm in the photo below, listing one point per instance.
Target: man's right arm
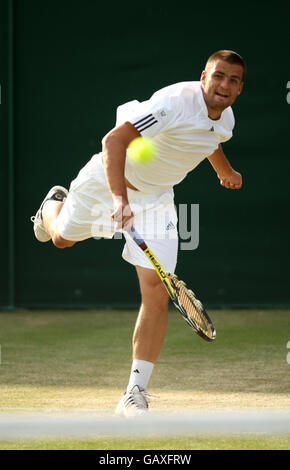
(115, 144)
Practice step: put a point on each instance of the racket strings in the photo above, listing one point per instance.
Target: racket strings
(191, 305)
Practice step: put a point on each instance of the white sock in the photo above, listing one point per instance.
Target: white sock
(140, 374)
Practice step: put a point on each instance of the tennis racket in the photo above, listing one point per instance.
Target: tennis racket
(183, 298)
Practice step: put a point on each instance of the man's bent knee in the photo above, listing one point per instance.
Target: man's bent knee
(60, 242)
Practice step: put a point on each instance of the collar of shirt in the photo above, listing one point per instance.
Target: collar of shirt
(204, 107)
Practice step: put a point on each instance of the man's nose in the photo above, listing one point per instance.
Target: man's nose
(225, 83)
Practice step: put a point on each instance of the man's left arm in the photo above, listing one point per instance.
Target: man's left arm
(229, 178)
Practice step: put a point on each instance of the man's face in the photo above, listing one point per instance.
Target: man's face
(221, 84)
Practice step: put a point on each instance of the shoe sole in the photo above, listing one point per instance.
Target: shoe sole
(39, 231)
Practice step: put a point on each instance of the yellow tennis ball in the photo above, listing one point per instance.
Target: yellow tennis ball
(141, 150)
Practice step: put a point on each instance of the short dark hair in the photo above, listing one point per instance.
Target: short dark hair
(228, 56)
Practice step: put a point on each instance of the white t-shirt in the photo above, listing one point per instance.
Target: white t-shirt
(176, 118)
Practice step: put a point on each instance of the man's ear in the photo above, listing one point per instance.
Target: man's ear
(241, 88)
(203, 75)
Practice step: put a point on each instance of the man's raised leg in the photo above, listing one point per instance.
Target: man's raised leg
(50, 213)
(45, 227)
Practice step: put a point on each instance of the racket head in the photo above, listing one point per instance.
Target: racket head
(191, 309)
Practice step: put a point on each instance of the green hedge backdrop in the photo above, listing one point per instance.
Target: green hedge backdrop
(65, 67)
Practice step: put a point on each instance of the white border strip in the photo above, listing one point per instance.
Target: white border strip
(83, 425)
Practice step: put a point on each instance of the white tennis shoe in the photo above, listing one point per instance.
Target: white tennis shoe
(133, 403)
(57, 193)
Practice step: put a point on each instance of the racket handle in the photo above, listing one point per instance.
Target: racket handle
(137, 238)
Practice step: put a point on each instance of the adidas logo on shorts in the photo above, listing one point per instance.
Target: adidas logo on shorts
(170, 226)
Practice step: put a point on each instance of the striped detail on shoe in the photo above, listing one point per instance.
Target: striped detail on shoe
(145, 122)
(133, 403)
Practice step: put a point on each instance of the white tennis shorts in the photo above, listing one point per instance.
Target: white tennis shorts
(87, 211)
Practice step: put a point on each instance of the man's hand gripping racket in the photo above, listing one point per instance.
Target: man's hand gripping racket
(184, 299)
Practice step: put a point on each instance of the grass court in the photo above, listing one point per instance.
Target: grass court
(58, 361)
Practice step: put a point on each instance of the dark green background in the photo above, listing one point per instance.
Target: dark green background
(72, 63)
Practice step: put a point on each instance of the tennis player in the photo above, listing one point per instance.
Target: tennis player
(188, 122)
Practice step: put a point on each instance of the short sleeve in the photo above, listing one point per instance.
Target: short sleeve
(153, 116)
(228, 125)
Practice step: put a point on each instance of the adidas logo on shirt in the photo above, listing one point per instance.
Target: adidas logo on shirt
(145, 122)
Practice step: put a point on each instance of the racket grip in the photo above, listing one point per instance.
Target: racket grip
(137, 238)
